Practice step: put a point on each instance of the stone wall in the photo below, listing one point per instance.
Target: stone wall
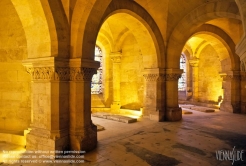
(210, 82)
(15, 96)
(132, 79)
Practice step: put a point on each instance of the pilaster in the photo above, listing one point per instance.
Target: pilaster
(49, 128)
(173, 112)
(154, 94)
(194, 62)
(116, 59)
(83, 134)
(61, 104)
(231, 88)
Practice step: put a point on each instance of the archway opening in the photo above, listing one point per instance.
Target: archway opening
(208, 58)
(127, 50)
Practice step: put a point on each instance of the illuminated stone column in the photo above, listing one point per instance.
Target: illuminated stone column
(195, 73)
(116, 58)
(231, 95)
(49, 128)
(83, 134)
(154, 94)
(173, 111)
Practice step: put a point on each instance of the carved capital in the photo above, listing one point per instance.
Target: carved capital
(116, 57)
(41, 73)
(81, 74)
(61, 73)
(230, 76)
(173, 76)
(151, 77)
(194, 62)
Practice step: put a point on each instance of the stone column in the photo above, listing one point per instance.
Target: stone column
(116, 58)
(231, 88)
(243, 92)
(83, 134)
(49, 128)
(154, 94)
(241, 51)
(173, 111)
(195, 73)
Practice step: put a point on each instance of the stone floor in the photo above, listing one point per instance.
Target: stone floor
(192, 141)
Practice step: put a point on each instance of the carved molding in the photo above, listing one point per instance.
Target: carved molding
(230, 77)
(116, 59)
(61, 73)
(194, 62)
(173, 77)
(151, 77)
(41, 73)
(162, 77)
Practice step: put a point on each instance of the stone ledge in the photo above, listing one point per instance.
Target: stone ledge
(198, 108)
(119, 118)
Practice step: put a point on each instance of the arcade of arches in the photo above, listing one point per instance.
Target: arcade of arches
(47, 60)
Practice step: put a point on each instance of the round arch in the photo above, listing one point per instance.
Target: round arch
(225, 45)
(84, 43)
(36, 40)
(188, 25)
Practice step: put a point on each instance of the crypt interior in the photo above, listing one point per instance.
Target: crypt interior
(61, 61)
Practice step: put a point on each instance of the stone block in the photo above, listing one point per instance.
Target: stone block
(209, 110)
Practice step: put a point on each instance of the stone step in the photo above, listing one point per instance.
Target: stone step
(198, 108)
(119, 118)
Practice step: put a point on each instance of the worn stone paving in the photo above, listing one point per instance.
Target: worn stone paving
(193, 141)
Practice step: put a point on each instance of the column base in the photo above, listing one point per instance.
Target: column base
(158, 116)
(40, 139)
(174, 114)
(84, 140)
(230, 107)
(243, 107)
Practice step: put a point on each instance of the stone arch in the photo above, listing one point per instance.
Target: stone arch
(242, 9)
(52, 40)
(225, 41)
(31, 18)
(193, 20)
(230, 63)
(88, 38)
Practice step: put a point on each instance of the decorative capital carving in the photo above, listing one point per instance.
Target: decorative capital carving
(151, 77)
(41, 73)
(61, 73)
(230, 76)
(116, 57)
(173, 76)
(194, 62)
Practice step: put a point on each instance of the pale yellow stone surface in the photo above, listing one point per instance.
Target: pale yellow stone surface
(55, 40)
(210, 82)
